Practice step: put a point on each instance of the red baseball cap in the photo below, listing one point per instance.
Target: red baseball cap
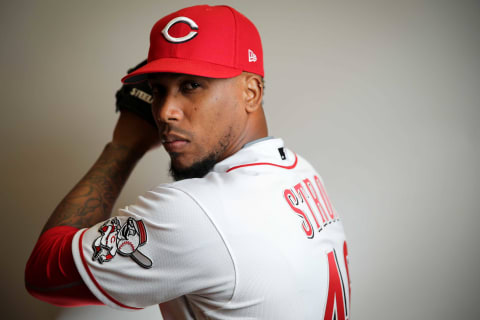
(207, 41)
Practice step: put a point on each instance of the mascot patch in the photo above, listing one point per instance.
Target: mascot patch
(123, 240)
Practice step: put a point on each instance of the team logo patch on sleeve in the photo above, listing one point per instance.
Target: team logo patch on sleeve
(124, 240)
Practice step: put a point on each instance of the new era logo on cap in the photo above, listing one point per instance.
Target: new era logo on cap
(207, 41)
(252, 57)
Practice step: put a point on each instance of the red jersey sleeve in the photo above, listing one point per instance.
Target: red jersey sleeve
(51, 274)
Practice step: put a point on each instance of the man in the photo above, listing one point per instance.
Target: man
(247, 229)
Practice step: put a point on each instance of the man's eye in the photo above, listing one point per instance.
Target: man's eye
(156, 91)
(190, 85)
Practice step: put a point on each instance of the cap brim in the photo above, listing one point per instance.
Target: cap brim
(176, 65)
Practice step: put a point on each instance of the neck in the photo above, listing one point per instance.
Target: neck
(256, 128)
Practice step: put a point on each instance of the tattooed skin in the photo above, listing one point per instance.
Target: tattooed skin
(92, 199)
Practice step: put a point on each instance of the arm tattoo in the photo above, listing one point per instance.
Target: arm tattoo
(92, 199)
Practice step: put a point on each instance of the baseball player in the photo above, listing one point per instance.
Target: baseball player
(246, 230)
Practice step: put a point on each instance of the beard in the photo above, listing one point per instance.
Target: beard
(200, 168)
(197, 170)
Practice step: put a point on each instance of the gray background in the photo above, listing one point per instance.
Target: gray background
(381, 96)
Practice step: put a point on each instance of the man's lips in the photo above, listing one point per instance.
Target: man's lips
(174, 142)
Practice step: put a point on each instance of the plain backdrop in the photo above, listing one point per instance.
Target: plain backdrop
(382, 97)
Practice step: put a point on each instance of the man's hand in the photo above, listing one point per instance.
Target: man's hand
(136, 128)
(135, 133)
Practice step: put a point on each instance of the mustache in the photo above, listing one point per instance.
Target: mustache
(174, 130)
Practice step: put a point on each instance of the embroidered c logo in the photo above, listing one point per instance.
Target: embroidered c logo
(186, 38)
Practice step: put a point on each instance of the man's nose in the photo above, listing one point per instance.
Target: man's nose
(167, 109)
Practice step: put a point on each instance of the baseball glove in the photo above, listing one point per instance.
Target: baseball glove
(136, 98)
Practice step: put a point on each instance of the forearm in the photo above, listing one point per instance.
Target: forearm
(92, 199)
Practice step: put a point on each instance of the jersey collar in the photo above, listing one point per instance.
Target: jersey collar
(258, 154)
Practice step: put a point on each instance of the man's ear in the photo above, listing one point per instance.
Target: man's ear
(253, 92)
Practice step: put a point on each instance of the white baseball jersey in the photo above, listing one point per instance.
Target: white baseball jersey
(256, 238)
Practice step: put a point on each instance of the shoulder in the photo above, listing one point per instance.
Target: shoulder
(165, 202)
